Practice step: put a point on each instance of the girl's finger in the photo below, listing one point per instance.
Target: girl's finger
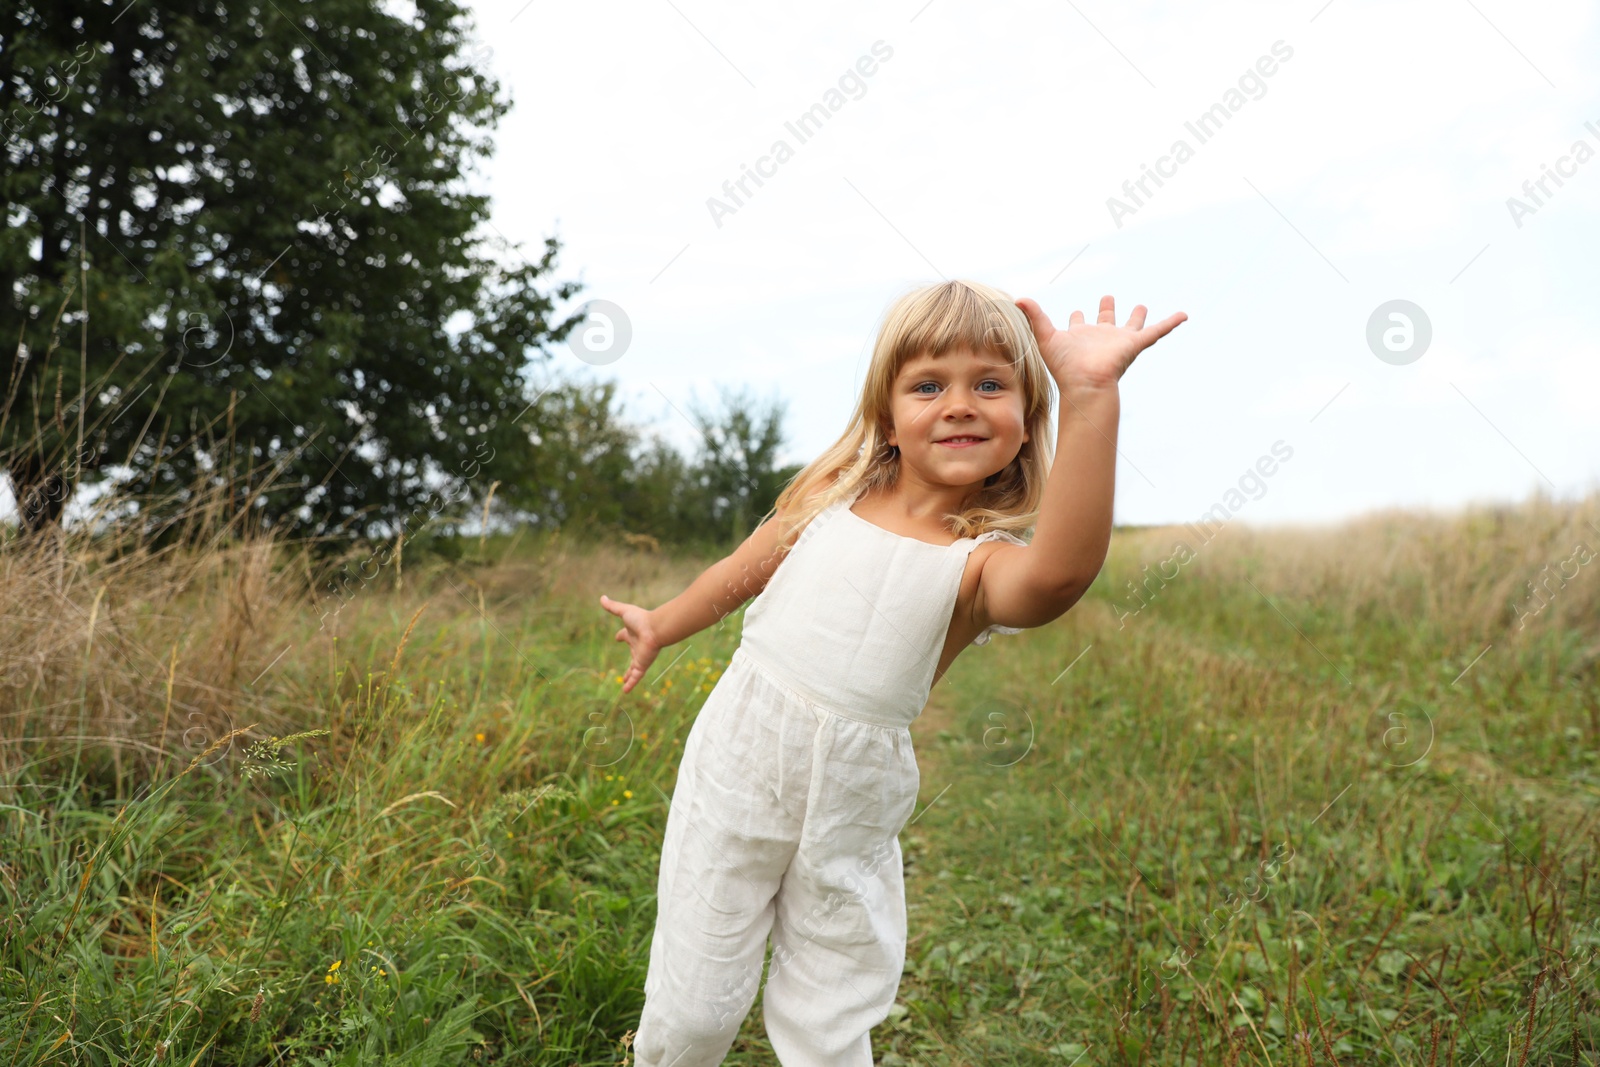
(1136, 320)
(1108, 311)
(1076, 319)
(1038, 321)
(1165, 326)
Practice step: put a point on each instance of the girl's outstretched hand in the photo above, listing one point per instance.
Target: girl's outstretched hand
(1094, 354)
(640, 635)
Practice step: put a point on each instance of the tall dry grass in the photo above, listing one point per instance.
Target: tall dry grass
(145, 653)
(140, 654)
(1484, 574)
(205, 880)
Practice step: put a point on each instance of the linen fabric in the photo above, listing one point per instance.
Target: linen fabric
(794, 784)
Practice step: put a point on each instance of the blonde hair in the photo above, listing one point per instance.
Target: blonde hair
(932, 320)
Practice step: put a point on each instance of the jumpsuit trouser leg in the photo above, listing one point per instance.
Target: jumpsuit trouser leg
(839, 932)
(783, 822)
(728, 839)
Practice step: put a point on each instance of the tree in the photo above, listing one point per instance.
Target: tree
(585, 456)
(241, 234)
(600, 472)
(737, 460)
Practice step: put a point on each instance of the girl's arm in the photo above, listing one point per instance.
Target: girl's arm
(1031, 585)
(721, 588)
(710, 598)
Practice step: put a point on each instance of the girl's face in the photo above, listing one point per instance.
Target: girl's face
(939, 405)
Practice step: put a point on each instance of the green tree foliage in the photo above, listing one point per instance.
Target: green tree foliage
(737, 465)
(585, 456)
(601, 472)
(243, 233)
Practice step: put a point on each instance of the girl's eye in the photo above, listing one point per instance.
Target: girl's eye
(987, 381)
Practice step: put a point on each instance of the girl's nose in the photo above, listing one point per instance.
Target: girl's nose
(958, 403)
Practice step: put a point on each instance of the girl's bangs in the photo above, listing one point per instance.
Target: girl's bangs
(954, 317)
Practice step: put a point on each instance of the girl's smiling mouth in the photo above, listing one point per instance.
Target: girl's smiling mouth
(963, 441)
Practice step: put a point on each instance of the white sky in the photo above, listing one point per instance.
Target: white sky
(1376, 166)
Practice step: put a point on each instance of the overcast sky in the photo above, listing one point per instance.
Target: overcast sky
(1280, 172)
(1359, 153)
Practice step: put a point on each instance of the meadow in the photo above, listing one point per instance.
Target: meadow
(1327, 796)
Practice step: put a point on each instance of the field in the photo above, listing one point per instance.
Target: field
(1313, 796)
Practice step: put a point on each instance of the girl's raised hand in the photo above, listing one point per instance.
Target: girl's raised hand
(640, 635)
(1094, 354)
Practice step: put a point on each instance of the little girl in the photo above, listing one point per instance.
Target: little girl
(885, 558)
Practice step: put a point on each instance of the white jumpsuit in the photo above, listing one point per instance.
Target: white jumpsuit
(794, 784)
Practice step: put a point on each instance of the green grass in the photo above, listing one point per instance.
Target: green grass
(1264, 821)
